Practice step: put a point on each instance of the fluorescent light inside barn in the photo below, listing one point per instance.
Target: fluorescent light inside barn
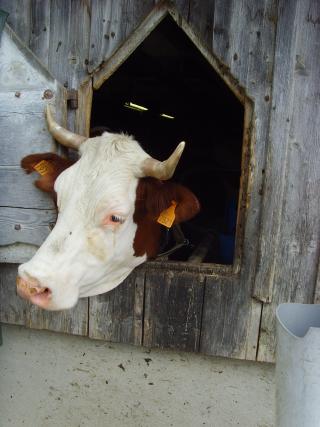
(166, 116)
(136, 107)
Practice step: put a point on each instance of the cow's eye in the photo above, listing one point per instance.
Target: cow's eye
(116, 218)
(113, 220)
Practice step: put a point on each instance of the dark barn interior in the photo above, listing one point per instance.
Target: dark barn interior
(168, 75)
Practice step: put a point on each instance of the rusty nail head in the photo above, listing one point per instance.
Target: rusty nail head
(48, 94)
(17, 227)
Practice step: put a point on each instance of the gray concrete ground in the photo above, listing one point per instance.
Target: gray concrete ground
(49, 379)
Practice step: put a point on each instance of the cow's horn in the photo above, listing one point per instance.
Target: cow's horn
(163, 170)
(64, 136)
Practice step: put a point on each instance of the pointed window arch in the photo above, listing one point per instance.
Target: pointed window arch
(163, 86)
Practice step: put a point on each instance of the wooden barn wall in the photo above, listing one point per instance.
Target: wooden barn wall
(290, 227)
(270, 47)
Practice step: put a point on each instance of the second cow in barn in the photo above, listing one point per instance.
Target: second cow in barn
(110, 205)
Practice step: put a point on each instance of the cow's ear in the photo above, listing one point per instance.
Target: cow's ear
(160, 195)
(48, 165)
(186, 203)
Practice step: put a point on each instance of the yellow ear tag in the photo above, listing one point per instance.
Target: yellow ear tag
(43, 167)
(167, 216)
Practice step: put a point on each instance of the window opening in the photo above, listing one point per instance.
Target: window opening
(167, 92)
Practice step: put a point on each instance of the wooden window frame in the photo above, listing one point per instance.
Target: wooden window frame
(109, 67)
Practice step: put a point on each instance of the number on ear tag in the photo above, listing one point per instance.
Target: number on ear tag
(43, 167)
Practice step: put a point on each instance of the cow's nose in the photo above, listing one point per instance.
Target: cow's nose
(32, 290)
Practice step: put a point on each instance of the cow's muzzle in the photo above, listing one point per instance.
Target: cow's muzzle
(32, 291)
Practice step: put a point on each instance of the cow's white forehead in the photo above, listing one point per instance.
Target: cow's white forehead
(113, 147)
(105, 173)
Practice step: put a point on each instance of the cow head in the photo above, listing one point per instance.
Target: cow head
(107, 216)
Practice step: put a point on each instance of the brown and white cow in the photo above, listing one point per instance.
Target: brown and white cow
(108, 205)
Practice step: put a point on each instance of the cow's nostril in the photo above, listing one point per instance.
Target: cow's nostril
(32, 291)
(36, 290)
(42, 298)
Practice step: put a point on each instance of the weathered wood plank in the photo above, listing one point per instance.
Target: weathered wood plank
(105, 35)
(26, 102)
(23, 123)
(16, 253)
(275, 170)
(117, 315)
(112, 21)
(132, 13)
(244, 40)
(58, 62)
(30, 226)
(183, 8)
(173, 308)
(222, 29)
(316, 299)
(73, 321)
(40, 29)
(244, 37)
(83, 113)
(201, 17)
(19, 17)
(118, 56)
(229, 323)
(296, 252)
(69, 41)
(15, 311)
(17, 190)
(23, 83)
(19, 68)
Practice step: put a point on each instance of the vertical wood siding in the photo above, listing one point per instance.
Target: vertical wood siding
(243, 38)
(173, 310)
(293, 174)
(118, 315)
(271, 48)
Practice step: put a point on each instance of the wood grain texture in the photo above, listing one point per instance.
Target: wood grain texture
(83, 113)
(112, 21)
(251, 42)
(17, 190)
(20, 68)
(25, 225)
(200, 18)
(183, 7)
(230, 324)
(297, 230)
(23, 124)
(69, 42)
(16, 253)
(117, 56)
(316, 299)
(173, 309)
(276, 164)
(23, 85)
(14, 310)
(40, 29)
(117, 315)
(243, 38)
(73, 321)
(19, 17)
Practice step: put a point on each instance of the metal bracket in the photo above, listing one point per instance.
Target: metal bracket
(72, 99)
